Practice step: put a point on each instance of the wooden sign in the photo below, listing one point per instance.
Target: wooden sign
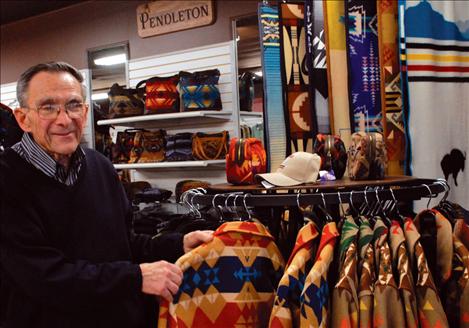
(160, 17)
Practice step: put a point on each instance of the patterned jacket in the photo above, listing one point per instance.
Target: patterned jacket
(227, 282)
(344, 296)
(387, 310)
(429, 306)
(457, 288)
(315, 295)
(401, 265)
(286, 310)
(366, 274)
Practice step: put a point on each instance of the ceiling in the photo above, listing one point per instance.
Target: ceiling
(12, 11)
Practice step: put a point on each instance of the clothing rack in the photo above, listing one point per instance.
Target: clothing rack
(323, 193)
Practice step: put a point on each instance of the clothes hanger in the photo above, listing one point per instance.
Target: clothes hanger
(396, 208)
(326, 213)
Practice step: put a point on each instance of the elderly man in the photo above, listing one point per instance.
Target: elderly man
(67, 256)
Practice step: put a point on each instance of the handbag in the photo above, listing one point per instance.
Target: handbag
(210, 146)
(333, 154)
(179, 147)
(148, 147)
(161, 95)
(245, 159)
(367, 157)
(120, 151)
(124, 102)
(199, 90)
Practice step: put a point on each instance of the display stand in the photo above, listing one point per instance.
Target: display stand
(400, 188)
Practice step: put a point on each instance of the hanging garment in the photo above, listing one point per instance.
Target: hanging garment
(363, 65)
(298, 111)
(387, 310)
(429, 306)
(316, 66)
(391, 96)
(227, 282)
(366, 274)
(401, 265)
(286, 309)
(345, 295)
(337, 59)
(442, 238)
(457, 291)
(315, 294)
(276, 130)
(435, 54)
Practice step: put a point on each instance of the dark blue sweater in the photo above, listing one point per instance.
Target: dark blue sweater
(67, 257)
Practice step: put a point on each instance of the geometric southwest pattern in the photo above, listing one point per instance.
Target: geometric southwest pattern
(337, 68)
(314, 298)
(366, 274)
(286, 309)
(316, 63)
(444, 244)
(429, 307)
(228, 282)
(434, 45)
(298, 112)
(391, 97)
(387, 309)
(162, 95)
(458, 309)
(400, 263)
(344, 296)
(363, 63)
(277, 145)
(201, 97)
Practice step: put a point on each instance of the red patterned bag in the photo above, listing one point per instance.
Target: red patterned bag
(245, 159)
(161, 95)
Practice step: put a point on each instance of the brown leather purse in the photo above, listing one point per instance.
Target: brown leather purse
(210, 146)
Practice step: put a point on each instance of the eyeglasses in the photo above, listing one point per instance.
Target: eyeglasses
(51, 111)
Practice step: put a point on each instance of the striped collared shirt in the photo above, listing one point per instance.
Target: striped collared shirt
(32, 153)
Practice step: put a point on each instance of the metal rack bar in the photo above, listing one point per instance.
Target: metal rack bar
(419, 188)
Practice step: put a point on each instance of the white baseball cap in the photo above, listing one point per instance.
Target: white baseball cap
(296, 169)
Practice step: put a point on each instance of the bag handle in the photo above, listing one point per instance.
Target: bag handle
(201, 149)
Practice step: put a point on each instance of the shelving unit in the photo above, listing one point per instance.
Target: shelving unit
(160, 165)
(250, 114)
(170, 120)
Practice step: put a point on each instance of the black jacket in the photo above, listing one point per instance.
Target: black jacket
(67, 257)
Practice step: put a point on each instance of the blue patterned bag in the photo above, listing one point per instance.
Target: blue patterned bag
(199, 90)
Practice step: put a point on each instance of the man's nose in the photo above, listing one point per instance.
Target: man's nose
(62, 117)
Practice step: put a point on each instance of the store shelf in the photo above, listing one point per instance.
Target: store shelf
(168, 120)
(252, 114)
(161, 165)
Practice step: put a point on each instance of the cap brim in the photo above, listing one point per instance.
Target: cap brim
(278, 179)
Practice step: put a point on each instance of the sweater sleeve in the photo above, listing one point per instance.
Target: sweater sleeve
(45, 274)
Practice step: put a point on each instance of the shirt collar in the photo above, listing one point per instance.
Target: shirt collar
(44, 162)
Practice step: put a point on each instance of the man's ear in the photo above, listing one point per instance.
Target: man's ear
(23, 119)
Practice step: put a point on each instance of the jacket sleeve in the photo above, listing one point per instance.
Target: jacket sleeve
(41, 271)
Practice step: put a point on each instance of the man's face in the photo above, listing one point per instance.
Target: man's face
(60, 136)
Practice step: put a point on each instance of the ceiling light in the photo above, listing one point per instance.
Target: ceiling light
(111, 60)
(258, 73)
(99, 96)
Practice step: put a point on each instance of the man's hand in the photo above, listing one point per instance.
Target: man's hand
(161, 278)
(195, 238)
